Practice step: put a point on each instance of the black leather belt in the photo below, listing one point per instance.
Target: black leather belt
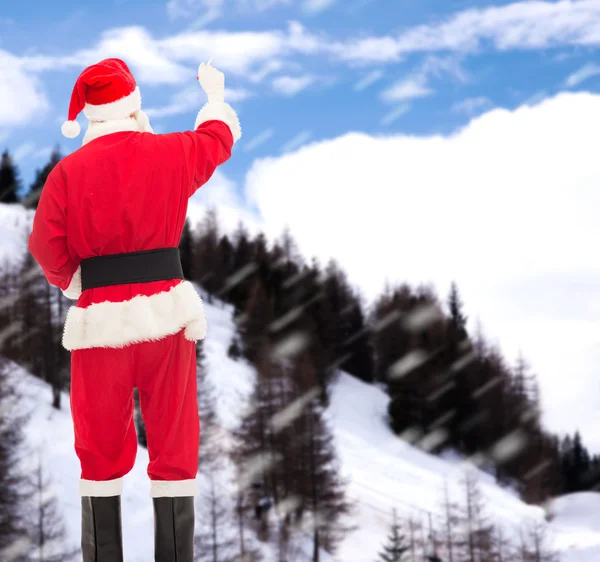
(163, 264)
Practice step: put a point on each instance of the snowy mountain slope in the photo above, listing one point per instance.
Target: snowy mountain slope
(386, 472)
(383, 471)
(576, 525)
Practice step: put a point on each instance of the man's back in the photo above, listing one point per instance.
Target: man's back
(119, 193)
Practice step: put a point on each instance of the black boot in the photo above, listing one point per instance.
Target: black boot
(174, 529)
(101, 535)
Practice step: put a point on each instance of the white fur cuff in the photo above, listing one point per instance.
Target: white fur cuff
(220, 111)
(173, 488)
(73, 291)
(101, 488)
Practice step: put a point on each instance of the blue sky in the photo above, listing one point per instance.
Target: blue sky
(313, 69)
(459, 137)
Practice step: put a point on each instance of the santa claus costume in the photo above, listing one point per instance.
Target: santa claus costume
(106, 232)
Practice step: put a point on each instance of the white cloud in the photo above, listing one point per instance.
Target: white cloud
(315, 6)
(416, 84)
(203, 12)
(188, 99)
(291, 85)
(520, 25)
(297, 141)
(148, 60)
(222, 193)
(237, 94)
(191, 99)
(367, 80)
(45, 152)
(236, 52)
(21, 95)
(368, 50)
(579, 76)
(266, 69)
(505, 207)
(29, 151)
(259, 139)
(407, 89)
(470, 106)
(536, 98)
(173, 58)
(23, 151)
(264, 5)
(395, 114)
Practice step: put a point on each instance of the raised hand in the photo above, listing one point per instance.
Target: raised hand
(212, 82)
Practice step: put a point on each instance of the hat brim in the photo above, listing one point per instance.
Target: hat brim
(119, 109)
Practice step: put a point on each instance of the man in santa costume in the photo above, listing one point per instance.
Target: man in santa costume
(106, 232)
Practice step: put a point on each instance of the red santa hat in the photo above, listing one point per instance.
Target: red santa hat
(104, 92)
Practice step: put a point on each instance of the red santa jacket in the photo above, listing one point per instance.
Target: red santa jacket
(126, 191)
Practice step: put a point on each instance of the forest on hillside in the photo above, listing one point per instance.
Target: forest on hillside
(299, 324)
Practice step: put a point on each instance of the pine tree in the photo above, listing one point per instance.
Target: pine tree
(226, 266)
(186, 251)
(415, 543)
(503, 549)
(9, 179)
(242, 279)
(15, 542)
(360, 360)
(458, 321)
(259, 448)
(254, 330)
(581, 460)
(477, 541)
(46, 529)
(534, 544)
(459, 398)
(50, 339)
(215, 541)
(395, 547)
(32, 198)
(451, 521)
(319, 485)
(206, 255)
(210, 449)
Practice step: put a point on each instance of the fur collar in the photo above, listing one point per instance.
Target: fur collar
(98, 129)
(137, 124)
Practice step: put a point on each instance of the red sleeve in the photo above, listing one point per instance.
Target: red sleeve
(204, 149)
(48, 239)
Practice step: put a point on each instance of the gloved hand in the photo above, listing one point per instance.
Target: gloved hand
(212, 82)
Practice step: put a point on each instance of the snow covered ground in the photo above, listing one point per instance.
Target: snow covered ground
(15, 225)
(383, 471)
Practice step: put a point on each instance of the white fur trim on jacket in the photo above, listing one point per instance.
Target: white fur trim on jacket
(143, 122)
(101, 488)
(101, 128)
(173, 488)
(119, 109)
(220, 111)
(118, 324)
(73, 291)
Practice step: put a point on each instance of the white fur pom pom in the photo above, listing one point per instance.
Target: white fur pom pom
(70, 129)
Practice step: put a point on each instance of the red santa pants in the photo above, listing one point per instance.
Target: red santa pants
(102, 406)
